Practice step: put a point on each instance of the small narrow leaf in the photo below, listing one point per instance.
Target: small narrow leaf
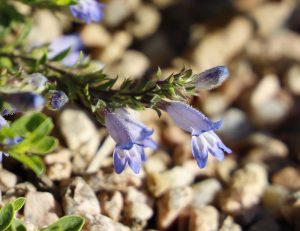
(66, 223)
(18, 203)
(59, 57)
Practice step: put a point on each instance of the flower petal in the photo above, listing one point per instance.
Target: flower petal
(199, 150)
(149, 143)
(135, 158)
(120, 160)
(118, 129)
(138, 130)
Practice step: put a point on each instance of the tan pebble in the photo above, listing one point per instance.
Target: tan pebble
(288, 177)
(95, 35)
(204, 219)
(172, 204)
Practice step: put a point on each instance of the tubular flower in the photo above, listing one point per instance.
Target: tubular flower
(88, 10)
(24, 101)
(131, 138)
(204, 140)
(72, 42)
(211, 78)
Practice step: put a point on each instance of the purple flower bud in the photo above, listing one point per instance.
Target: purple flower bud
(24, 101)
(88, 10)
(37, 80)
(56, 99)
(204, 140)
(211, 78)
(131, 136)
(63, 43)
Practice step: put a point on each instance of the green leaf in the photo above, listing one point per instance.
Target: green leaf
(16, 225)
(41, 129)
(35, 163)
(27, 123)
(66, 223)
(64, 2)
(45, 145)
(18, 203)
(60, 56)
(6, 216)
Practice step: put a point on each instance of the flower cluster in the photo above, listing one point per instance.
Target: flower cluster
(132, 136)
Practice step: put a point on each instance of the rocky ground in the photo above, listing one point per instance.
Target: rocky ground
(256, 188)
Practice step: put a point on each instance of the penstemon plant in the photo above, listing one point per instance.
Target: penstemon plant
(50, 75)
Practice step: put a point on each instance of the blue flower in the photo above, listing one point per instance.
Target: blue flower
(88, 10)
(56, 99)
(204, 140)
(211, 78)
(24, 101)
(63, 43)
(131, 138)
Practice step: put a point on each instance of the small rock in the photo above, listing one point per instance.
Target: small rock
(59, 165)
(115, 50)
(95, 35)
(158, 183)
(157, 162)
(102, 223)
(236, 125)
(7, 180)
(133, 63)
(111, 204)
(137, 208)
(215, 104)
(204, 219)
(230, 225)
(171, 204)
(83, 138)
(173, 135)
(225, 168)
(182, 153)
(274, 197)
(118, 10)
(288, 177)
(79, 198)
(41, 209)
(211, 50)
(205, 192)
(146, 21)
(19, 190)
(271, 16)
(111, 181)
(269, 103)
(245, 189)
(292, 80)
